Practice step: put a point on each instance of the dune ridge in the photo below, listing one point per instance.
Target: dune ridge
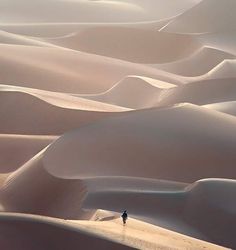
(110, 105)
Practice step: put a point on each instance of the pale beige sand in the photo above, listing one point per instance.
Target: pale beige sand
(108, 105)
(131, 44)
(41, 31)
(139, 144)
(25, 113)
(149, 236)
(80, 10)
(224, 40)
(67, 71)
(147, 92)
(107, 235)
(163, 200)
(9, 38)
(49, 233)
(201, 92)
(200, 63)
(15, 150)
(225, 107)
(206, 17)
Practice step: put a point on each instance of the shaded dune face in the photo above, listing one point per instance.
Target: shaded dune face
(141, 142)
(17, 197)
(202, 18)
(23, 148)
(213, 201)
(135, 45)
(51, 236)
(108, 106)
(197, 64)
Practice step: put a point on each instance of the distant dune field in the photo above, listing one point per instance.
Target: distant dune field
(110, 105)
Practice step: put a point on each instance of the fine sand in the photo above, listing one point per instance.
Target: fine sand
(110, 105)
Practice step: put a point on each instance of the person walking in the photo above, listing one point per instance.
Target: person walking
(124, 217)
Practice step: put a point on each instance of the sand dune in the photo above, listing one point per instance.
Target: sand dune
(150, 237)
(213, 200)
(131, 44)
(110, 140)
(225, 69)
(205, 18)
(200, 63)
(171, 198)
(26, 114)
(9, 38)
(202, 92)
(17, 197)
(147, 92)
(193, 203)
(62, 100)
(80, 11)
(110, 193)
(67, 71)
(224, 40)
(22, 147)
(108, 105)
(60, 234)
(71, 234)
(225, 107)
(63, 30)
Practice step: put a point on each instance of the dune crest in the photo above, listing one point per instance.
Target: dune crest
(114, 105)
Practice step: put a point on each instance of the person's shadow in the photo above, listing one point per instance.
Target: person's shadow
(123, 233)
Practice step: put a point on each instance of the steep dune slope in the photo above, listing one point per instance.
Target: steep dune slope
(201, 62)
(15, 150)
(26, 114)
(205, 18)
(205, 209)
(80, 11)
(225, 107)
(147, 92)
(140, 144)
(33, 190)
(131, 44)
(113, 105)
(54, 234)
(67, 71)
(202, 92)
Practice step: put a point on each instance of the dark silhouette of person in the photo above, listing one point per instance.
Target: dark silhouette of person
(124, 217)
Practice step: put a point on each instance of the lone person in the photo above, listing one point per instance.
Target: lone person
(124, 217)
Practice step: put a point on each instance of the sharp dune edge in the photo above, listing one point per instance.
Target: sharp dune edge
(110, 105)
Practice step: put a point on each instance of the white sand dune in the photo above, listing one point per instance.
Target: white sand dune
(26, 114)
(9, 38)
(200, 63)
(225, 69)
(205, 18)
(114, 193)
(224, 41)
(225, 107)
(131, 44)
(202, 92)
(147, 92)
(194, 203)
(80, 10)
(150, 237)
(147, 136)
(22, 147)
(108, 235)
(62, 100)
(48, 30)
(67, 71)
(108, 105)
(60, 234)
(17, 197)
